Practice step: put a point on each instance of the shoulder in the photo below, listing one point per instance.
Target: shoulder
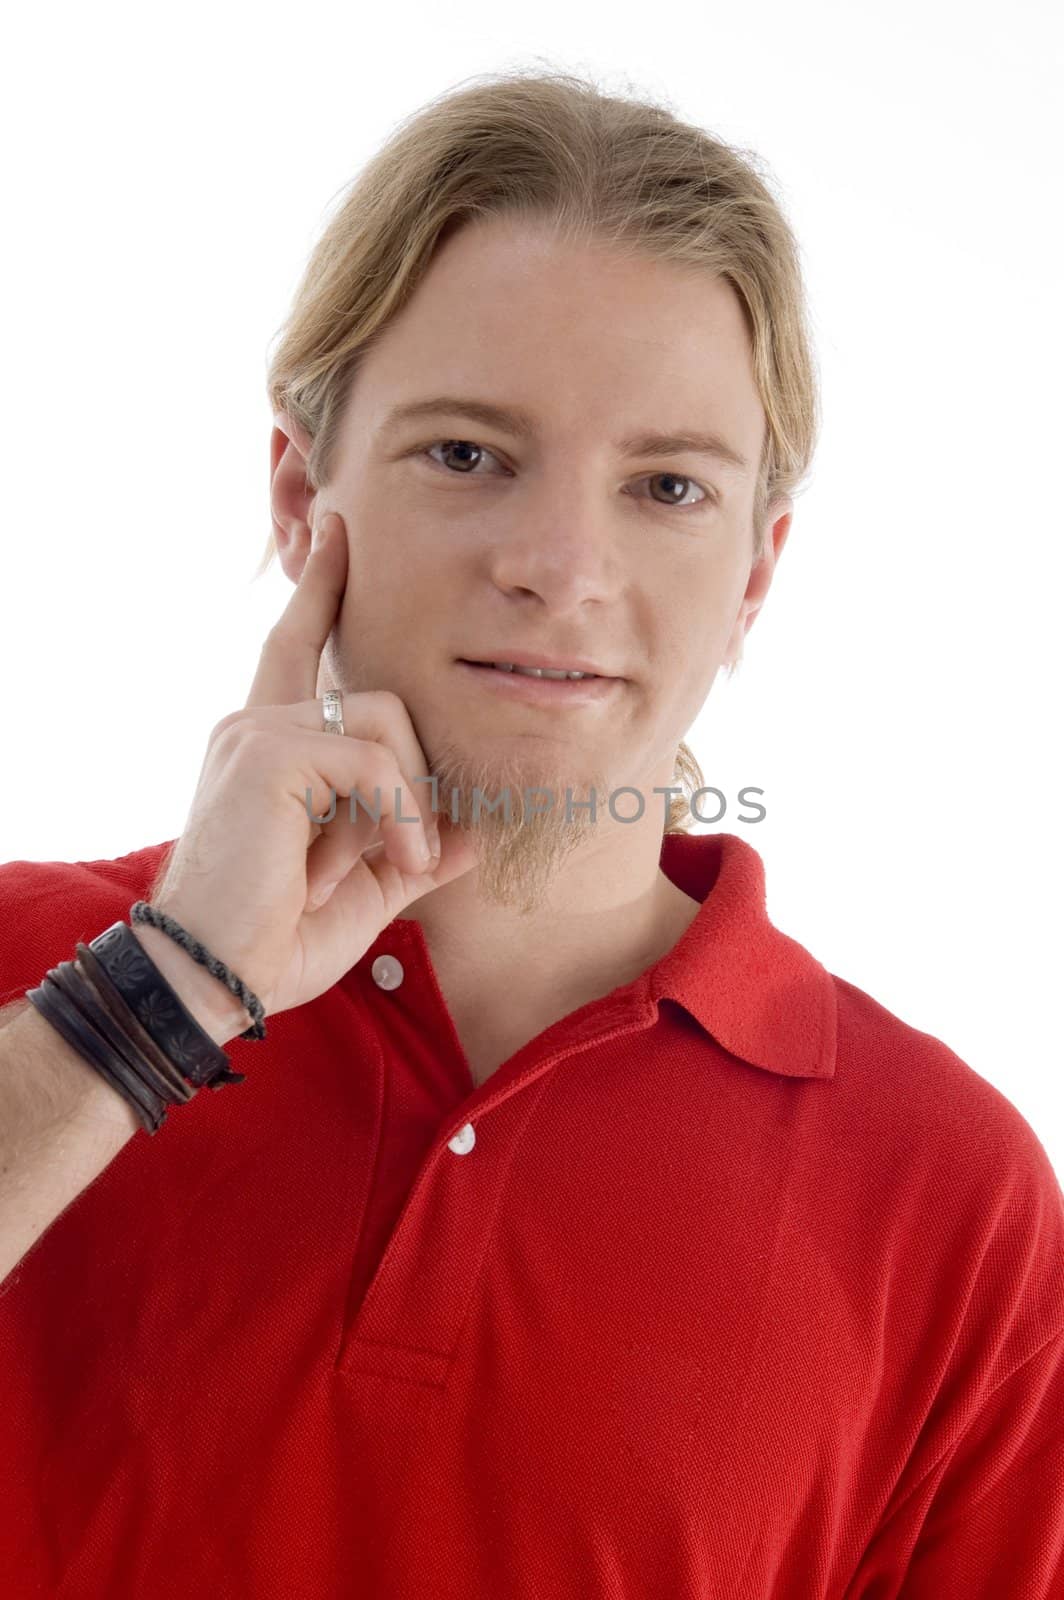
(919, 1081)
(951, 1151)
(46, 907)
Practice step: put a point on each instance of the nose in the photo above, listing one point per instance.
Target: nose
(560, 550)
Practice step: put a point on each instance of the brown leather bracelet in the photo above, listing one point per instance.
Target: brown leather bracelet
(160, 1009)
(149, 1053)
(71, 979)
(56, 1008)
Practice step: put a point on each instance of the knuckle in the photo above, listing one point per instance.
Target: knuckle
(254, 737)
(278, 635)
(224, 730)
(378, 775)
(391, 703)
(245, 740)
(377, 762)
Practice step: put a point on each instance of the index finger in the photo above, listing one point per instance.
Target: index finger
(291, 655)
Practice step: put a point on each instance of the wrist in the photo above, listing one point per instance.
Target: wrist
(219, 1013)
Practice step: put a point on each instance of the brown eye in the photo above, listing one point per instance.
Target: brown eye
(676, 487)
(459, 463)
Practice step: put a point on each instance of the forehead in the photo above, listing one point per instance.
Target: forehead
(578, 333)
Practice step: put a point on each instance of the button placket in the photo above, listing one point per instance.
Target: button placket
(388, 973)
(411, 1318)
(414, 1310)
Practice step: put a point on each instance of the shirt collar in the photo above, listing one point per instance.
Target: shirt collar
(758, 992)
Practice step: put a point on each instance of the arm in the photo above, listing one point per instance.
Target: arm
(61, 1124)
(994, 1528)
(986, 1520)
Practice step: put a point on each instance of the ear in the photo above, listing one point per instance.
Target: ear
(774, 531)
(291, 497)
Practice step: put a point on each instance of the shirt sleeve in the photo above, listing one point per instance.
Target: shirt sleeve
(46, 907)
(994, 1526)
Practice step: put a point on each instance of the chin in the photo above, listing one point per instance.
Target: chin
(489, 769)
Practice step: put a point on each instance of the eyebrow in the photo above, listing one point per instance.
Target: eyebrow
(519, 423)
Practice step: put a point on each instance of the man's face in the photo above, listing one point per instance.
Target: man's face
(470, 542)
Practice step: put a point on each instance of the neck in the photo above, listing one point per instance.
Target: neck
(606, 915)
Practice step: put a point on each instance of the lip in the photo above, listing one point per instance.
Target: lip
(555, 692)
(522, 658)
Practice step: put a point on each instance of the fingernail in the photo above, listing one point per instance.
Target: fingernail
(319, 534)
(433, 832)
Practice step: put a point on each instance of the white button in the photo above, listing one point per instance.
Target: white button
(463, 1141)
(387, 972)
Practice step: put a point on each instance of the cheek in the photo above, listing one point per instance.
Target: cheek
(698, 641)
(381, 562)
(390, 612)
(706, 606)
(399, 541)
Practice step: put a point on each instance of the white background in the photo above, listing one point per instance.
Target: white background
(166, 174)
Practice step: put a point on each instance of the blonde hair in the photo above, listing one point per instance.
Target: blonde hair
(601, 167)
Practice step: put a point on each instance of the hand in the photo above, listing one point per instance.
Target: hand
(251, 872)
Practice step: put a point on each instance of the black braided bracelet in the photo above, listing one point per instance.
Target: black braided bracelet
(141, 911)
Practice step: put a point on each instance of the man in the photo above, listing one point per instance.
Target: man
(580, 1234)
(653, 595)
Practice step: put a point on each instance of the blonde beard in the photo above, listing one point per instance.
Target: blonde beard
(518, 857)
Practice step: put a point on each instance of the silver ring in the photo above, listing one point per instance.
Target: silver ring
(332, 711)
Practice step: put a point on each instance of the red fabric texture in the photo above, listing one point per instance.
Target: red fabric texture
(729, 1283)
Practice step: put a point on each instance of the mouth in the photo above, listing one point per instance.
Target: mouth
(541, 685)
(529, 670)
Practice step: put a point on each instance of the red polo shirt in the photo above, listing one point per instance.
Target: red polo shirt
(728, 1284)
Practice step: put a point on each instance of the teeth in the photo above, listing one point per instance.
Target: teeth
(539, 672)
